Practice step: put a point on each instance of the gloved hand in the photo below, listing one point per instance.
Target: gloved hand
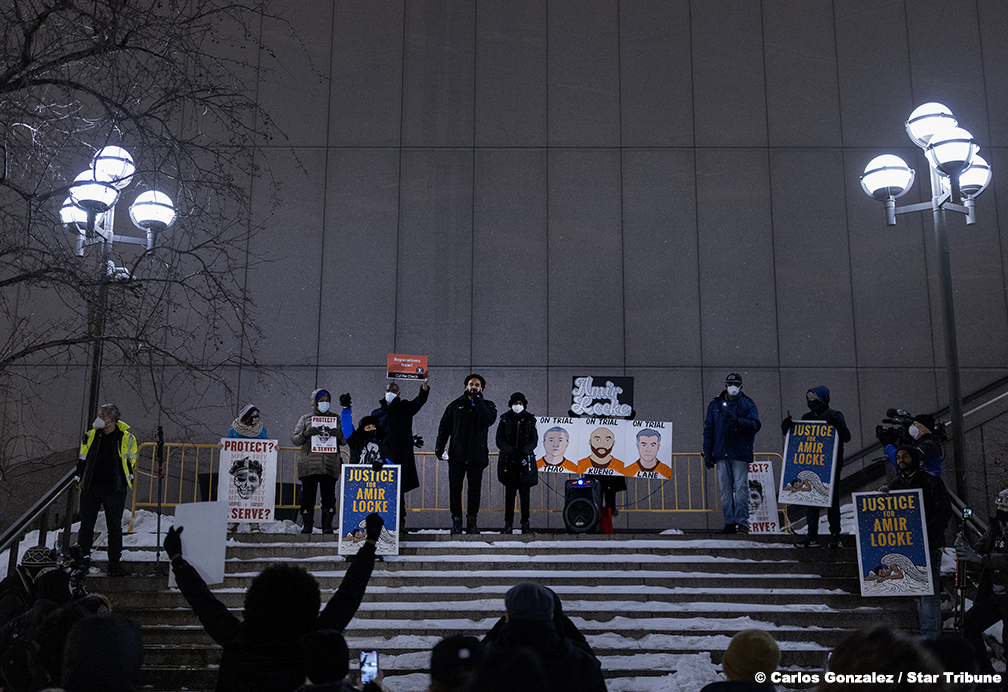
(79, 473)
(708, 462)
(785, 425)
(964, 551)
(444, 455)
(377, 464)
(173, 542)
(730, 416)
(373, 524)
(311, 431)
(344, 400)
(417, 441)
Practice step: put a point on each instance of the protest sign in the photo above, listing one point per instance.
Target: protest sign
(611, 397)
(403, 367)
(363, 491)
(604, 447)
(327, 441)
(893, 557)
(807, 476)
(762, 502)
(204, 541)
(251, 467)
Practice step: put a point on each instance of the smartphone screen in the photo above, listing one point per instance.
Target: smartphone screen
(368, 666)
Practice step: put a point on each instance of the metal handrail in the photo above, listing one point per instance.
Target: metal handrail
(11, 538)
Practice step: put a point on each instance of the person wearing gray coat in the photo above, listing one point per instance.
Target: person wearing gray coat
(317, 470)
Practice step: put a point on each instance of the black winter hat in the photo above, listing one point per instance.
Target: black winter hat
(518, 396)
(529, 601)
(454, 659)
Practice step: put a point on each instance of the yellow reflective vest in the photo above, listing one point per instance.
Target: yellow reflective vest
(127, 452)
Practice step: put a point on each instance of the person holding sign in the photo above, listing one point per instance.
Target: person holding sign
(395, 417)
(937, 514)
(466, 422)
(366, 445)
(516, 465)
(247, 426)
(729, 431)
(818, 399)
(317, 470)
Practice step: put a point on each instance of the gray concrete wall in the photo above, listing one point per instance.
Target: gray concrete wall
(662, 189)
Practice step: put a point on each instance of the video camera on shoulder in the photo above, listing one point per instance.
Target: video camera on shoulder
(895, 427)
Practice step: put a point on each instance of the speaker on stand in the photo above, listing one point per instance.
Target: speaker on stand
(582, 505)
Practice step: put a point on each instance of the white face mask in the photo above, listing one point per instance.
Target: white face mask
(98, 423)
(323, 406)
(914, 431)
(733, 390)
(390, 397)
(517, 408)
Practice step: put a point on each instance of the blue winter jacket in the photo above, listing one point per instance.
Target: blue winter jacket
(724, 439)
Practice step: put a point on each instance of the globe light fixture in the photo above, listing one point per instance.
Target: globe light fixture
(951, 151)
(975, 178)
(73, 216)
(92, 195)
(153, 212)
(887, 177)
(115, 165)
(927, 119)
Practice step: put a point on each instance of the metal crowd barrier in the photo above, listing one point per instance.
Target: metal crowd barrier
(191, 473)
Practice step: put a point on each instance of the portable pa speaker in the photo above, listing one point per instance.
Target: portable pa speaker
(582, 505)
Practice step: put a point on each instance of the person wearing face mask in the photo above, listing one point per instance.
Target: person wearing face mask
(818, 399)
(937, 514)
(247, 425)
(107, 458)
(729, 431)
(516, 464)
(395, 417)
(991, 603)
(317, 470)
(365, 441)
(926, 435)
(466, 422)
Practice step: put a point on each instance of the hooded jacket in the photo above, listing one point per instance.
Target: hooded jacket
(730, 439)
(316, 463)
(831, 416)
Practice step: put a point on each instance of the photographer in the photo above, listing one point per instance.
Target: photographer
(991, 603)
(921, 432)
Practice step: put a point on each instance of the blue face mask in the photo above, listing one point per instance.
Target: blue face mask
(323, 406)
(390, 397)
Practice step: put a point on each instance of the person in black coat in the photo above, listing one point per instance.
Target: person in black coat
(529, 624)
(263, 652)
(395, 416)
(516, 466)
(937, 514)
(466, 422)
(818, 402)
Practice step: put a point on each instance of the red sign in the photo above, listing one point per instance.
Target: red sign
(401, 367)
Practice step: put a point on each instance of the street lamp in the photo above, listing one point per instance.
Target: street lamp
(89, 213)
(958, 175)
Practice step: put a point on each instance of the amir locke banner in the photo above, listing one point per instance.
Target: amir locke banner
(893, 558)
(611, 397)
(810, 451)
(251, 468)
(604, 447)
(364, 491)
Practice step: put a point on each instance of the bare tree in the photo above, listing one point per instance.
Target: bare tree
(172, 82)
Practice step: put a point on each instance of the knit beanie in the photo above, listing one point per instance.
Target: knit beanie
(529, 601)
(515, 398)
(750, 652)
(454, 659)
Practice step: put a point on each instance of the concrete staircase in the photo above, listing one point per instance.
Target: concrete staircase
(643, 601)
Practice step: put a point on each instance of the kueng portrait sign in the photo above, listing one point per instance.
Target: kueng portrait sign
(808, 473)
(251, 467)
(604, 447)
(893, 558)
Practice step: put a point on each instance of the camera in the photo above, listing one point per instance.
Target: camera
(895, 427)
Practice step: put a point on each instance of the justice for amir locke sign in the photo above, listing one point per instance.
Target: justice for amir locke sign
(808, 473)
(893, 559)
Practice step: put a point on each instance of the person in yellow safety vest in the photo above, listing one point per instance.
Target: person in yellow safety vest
(108, 455)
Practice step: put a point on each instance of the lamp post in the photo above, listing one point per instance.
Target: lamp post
(958, 176)
(89, 212)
